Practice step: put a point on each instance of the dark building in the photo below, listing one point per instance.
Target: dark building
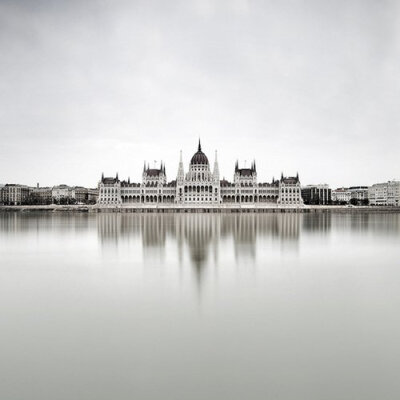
(316, 195)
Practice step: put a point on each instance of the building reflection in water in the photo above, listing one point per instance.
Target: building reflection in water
(200, 236)
(317, 223)
(201, 240)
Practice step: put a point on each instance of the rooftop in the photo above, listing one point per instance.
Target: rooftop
(199, 158)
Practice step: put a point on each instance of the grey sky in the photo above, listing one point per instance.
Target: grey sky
(307, 86)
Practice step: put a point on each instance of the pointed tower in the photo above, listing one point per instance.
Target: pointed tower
(216, 198)
(181, 175)
(254, 172)
(180, 181)
(144, 174)
(216, 169)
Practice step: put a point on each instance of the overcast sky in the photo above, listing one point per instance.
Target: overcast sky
(93, 86)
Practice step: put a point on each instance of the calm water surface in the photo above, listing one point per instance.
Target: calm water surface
(283, 307)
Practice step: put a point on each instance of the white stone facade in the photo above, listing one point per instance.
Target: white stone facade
(290, 191)
(341, 195)
(199, 186)
(109, 192)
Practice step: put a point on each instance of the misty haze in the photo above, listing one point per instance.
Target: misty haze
(199, 200)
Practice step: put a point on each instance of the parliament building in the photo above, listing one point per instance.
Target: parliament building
(200, 186)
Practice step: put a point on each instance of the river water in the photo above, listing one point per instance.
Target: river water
(199, 306)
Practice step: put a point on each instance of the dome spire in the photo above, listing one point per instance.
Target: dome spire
(199, 158)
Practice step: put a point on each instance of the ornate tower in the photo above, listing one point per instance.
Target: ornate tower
(216, 181)
(180, 181)
(216, 169)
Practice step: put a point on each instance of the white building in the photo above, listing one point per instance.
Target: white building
(110, 191)
(341, 195)
(393, 193)
(199, 186)
(385, 194)
(62, 192)
(290, 191)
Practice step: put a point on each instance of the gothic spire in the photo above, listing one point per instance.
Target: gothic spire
(216, 168)
(199, 148)
(181, 174)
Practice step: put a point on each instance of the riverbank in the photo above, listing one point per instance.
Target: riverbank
(200, 209)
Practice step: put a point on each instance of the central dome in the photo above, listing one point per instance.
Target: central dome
(199, 157)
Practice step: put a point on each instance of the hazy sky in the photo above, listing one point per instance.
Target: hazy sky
(93, 86)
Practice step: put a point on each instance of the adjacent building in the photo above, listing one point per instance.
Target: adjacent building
(355, 195)
(41, 195)
(359, 195)
(74, 194)
(384, 194)
(290, 191)
(93, 195)
(62, 193)
(14, 194)
(341, 196)
(316, 194)
(199, 186)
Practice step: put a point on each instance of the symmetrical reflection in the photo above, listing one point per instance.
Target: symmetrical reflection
(204, 237)
(202, 232)
(199, 229)
(201, 237)
(175, 299)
